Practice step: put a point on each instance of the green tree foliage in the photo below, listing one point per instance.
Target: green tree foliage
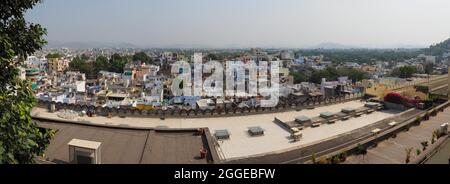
(21, 140)
(216, 56)
(330, 74)
(353, 74)
(429, 67)
(143, 57)
(404, 71)
(80, 64)
(117, 62)
(362, 55)
(53, 55)
(92, 68)
(101, 63)
(300, 77)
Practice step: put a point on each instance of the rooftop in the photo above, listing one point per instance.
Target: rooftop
(275, 138)
(120, 146)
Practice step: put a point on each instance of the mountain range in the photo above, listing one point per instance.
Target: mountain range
(94, 44)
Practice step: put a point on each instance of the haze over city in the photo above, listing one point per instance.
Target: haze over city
(249, 23)
(226, 82)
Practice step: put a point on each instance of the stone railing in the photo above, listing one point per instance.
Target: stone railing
(198, 113)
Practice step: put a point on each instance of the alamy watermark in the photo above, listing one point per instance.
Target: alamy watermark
(228, 79)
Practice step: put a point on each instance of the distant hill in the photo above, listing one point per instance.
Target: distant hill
(81, 45)
(330, 45)
(438, 49)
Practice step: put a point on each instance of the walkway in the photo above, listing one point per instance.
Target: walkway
(392, 150)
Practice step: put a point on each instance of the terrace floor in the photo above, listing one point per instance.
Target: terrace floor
(241, 144)
(392, 150)
(121, 146)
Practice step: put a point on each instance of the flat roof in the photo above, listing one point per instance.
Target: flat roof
(127, 146)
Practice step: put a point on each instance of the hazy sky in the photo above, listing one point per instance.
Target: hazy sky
(225, 23)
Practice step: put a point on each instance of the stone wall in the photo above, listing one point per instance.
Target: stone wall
(198, 113)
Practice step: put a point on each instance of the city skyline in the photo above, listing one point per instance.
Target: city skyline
(298, 24)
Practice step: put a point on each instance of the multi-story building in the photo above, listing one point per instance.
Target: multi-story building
(55, 65)
(287, 55)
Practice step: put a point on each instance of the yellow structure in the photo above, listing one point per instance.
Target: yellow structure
(144, 106)
(55, 65)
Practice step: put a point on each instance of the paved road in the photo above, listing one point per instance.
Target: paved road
(302, 155)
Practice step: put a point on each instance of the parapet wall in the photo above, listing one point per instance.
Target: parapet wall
(198, 113)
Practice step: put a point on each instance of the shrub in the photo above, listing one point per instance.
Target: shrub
(418, 119)
(434, 112)
(423, 89)
(394, 98)
(334, 159)
(399, 99)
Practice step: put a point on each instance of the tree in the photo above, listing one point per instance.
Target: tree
(428, 67)
(80, 64)
(317, 75)
(300, 77)
(353, 74)
(215, 56)
(91, 68)
(21, 140)
(143, 57)
(53, 55)
(84, 57)
(101, 63)
(404, 71)
(117, 62)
